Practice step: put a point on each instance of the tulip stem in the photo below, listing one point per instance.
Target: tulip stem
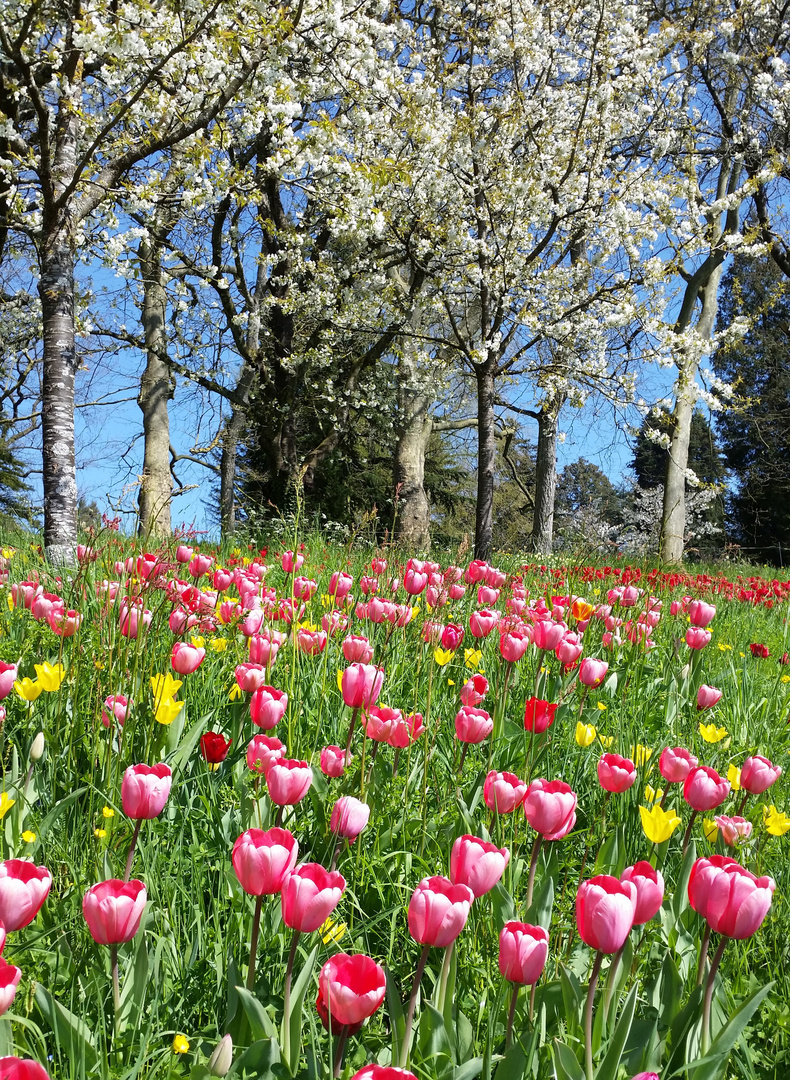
(588, 1011)
(116, 987)
(703, 955)
(532, 990)
(336, 856)
(279, 819)
(351, 727)
(256, 926)
(511, 1015)
(610, 982)
(395, 762)
(687, 835)
(289, 971)
(533, 864)
(463, 758)
(132, 846)
(739, 811)
(714, 967)
(445, 975)
(404, 1052)
(341, 1049)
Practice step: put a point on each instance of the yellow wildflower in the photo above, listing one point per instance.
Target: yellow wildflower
(472, 657)
(725, 648)
(167, 710)
(164, 687)
(8, 552)
(99, 665)
(28, 836)
(107, 812)
(327, 601)
(218, 644)
(786, 678)
(777, 823)
(180, 1044)
(658, 824)
(742, 655)
(602, 707)
(651, 795)
(339, 681)
(100, 833)
(5, 804)
(307, 626)
(585, 734)
(331, 930)
(443, 656)
(10, 601)
(50, 676)
(734, 776)
(640, 755)
(27, 689)
(712, 734)
(450, 682)
(199, 641)
(710, 830)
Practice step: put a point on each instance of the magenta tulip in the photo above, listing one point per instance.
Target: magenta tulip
(732, 900)
(605, 910)
(476, 863)
(309, 896)
(704, 789)
(268, 706)
(23, 889)
(616, 773)
(352, 987)
(550, 808)
(113, 910)
(261, 860)
(758, 774)
(523, 950)
(288, 781)
(438, 911)
(144, 790)
(649, 884)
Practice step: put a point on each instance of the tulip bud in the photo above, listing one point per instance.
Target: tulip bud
(37, 748)
(222, 1057)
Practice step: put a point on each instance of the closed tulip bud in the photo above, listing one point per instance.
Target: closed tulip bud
(758, 774)
(523, 950)
(349, 817)
(361, 685)
(113, 910)
(476, 863)
(616, 773)
(473, 725)
(268, 706)
(538, 715)
(261, 860)
(707, 697)
(309, 896)
(184, 554)
(452, 636)
(701, 614)
(676, 763)
(144, 790)
(334, 761)
(605, 910)
(550, 808)
(14, 1068)
(696, 638)
(482, 622)
(704, 789)
(592, 672)
(438, 911)
(729, 897)
(357, 649)
(503, 792)
(288, 781)
(221, 1057)
(263, 751)
(649, 884)
(9, 980)
(214, 747)
(290, 562)
(186, 658)
(37, 747)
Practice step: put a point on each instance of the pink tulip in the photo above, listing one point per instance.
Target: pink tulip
(9, 981)
(291, 562)
(268, 706)
(311, 642)
(404, 730)
(251, 623)
(478, 864)
(361, 685)
(383, 1072)
(605, 910)
(616, 773)
(250, 677)
(334, 622)
(117, 706)
(757, 774)
(304, 588)
(64, 623)
(523, 950)
(132, 618)
(550, 808)
(731, 899)
(473, 725)
(349, 817)
(357, 649)
(186, 658)
(351, 988)
(261, 860)
(569, 649)
(503, 792)
(379, 721)
(200, 565)
(184, 554)
(649, 884)
(697, 638)
(44, 604)
(452, 636)
(263, 751)
(181, 620)
(704, 789)
(334, 761)
(309, 896)
(113, 910)
(23, 889)
(8, 676)
(676, 763)
(482, 622)
(707, 697)
(733, 829)
(486, 595)
(222, 579)
(547, 634)
(438, 911)
(592, 672)
(474, 690)
(701, 614)
(288, 781)
(476, 571)
(263, 651)
(514, 643)
(144, 790)
(14, 1068)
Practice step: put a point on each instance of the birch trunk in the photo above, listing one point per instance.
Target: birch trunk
(413, 520)
(542, 538)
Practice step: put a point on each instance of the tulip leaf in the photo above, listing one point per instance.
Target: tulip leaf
(680, 898)
(572, 998)
(513, 1065)
(261, 1024)
(134, 987)
(709, 1066)
(72, 1035)
(504, 905)
(292, 1038)
(565, 1064)
(257, 1061)
(469, 1070)
(679, 1029)
(607, 1070)
(432, 1050)
(187, 747)
(397, 1021)
(671, 995)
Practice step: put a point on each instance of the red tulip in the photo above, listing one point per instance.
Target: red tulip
(538, 715)
(503, 792)
(261, 860)
(616, 773)
(523, 950)
(214, 747)
(113, 910)
(550, 808)
(288, 781)
(758, 774)
(352, 987)
(649, 884)
(349, 817)
(9, 981)
(476, 863)
(23, 889)
(605, 910)
(438, 911)
(14, 1068)
(309, 896)
(144, 790)
(732, 900)
(760, 651)
(262, 752)
(452, 636)
(473, 725)
(676, 763)
(383, 1072)
(704, 789)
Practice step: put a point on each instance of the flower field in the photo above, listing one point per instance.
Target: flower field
(329, 812)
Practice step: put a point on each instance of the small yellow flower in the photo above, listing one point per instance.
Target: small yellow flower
(10, 601)
(712, 734)
(235, 692)
(199, 642)
(414, 611)
(786, 678)
(167, 710)
(725, 648)
(164, 687)
(606, 741)
(5, 804)
(236, 552)
(107, 812)
(331, 930)
(443, 656)
(218, 644)
(99, 665)
(340, 681)
(596, 592)
(658, 824)
(651, 795)
(100, 833)
(8, 552)
(777, 823)
(450, 682)
(50, 676)
(734, 776)
(742, 655)
(602, 707)
(180, 1045)
(28, 836)
(585, 734)
(710, 830)
(640, 755)
(472, 657)
(28, 689)
(246, 561)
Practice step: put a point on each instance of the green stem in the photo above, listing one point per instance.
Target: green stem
(533, 864)
(588, 1011)
(511, 1015)
(404, 1053)
(445, 975)
(610, 982)
(256, 926)
(687, 836)
(703, 955)
(714, 967)
(341, 1049)
(130, 857)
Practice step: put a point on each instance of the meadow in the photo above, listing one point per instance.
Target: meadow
(332, 811)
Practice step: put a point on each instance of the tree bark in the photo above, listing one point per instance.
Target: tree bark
(413, 514)
(486, 459)
(234, 428)
(542, 537)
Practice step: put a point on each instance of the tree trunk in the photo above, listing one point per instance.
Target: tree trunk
(156, 390)
(542, 537)
(673, 517)
(227, 472)
(413, 511)
(486, 460)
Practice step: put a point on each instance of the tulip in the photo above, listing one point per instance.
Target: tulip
(605, 910)
(482, 622)
(118, 706)
(14, 1068)
(701, 614)
(181, 620)
(503, 792)
(523, 950)
(349, 817)
(592, 672)
(438, 911)
(305, 588)
(262, 860)
(186, 658)
(309, 896)
(414, 581)
(144, 790)
(290, 562)
(37, 748)
(221, 1058)
(64, 623)
(758, 774)
(44, 605)
(476, 863)
(50, 676)
(361, 685)
(550, 808)
(288, 781)
(113, 910)
(730, 898)
(452, 636)
(473, 725)
(569, 649)
(676, 763)
(184, 554)
(759, 651)
(357, 649)
(658, 824)
(696, 638)
(214, 747)
(23, 889)
(9, 980)
(131, 618)
(476, 571)
(352, 987)
(311, 642)
(538, 715)
(704, 789)
(514, 643)
(404, 730)
(267, 707)
(383, 1072)
(333, 761)
(733, 829)
(474, 690)
(486, 595)
(649, 884)
(547, 634)
(616, 773)
(8, 675)
(262, 752)
(263, 651)
(379, 721)
(707, 697)
(250, 677)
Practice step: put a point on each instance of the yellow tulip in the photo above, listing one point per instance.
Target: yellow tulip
(606, 741)
(10, 601)
(27, 689)
(165, 687)
(235, 692)
(307, 626)
(340, 681)
(219, 644)
(472, 657)
(585, 734)
(581, 610)
(443, 656)
(734, 776)
(712, 734)
(167, 710)
(199, 642)
(331, 930)
(5, 804)
(50, 676)
(639, 754)
(710, 830)
(658, 824)
(651, 795)
(777, 823)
